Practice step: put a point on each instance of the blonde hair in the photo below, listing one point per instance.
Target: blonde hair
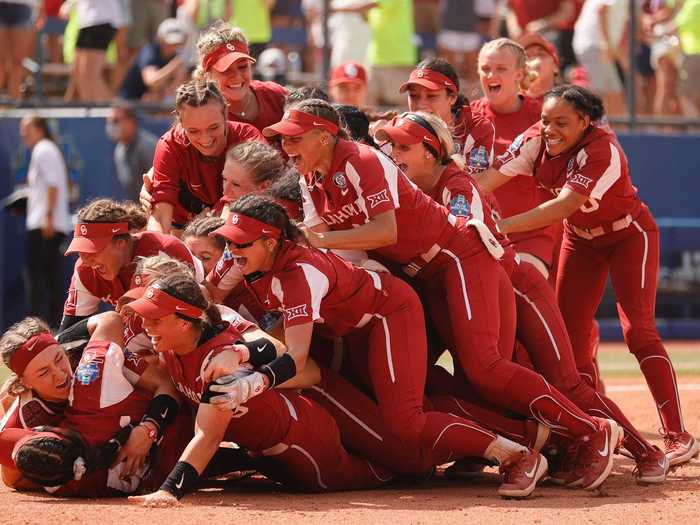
(11, 341)
(218, 33)
(160, 265)
(442, 131)
(514, 49)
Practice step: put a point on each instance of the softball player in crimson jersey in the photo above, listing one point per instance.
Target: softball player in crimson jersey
(382, 211)
(311, 287)
(108, 255)
(608, 231)
(501, 71)
(189, 157)
(225, 58)
(109, 390)
(299, 437)
(540, 327)
(433, 87)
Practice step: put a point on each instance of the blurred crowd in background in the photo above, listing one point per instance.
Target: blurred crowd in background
(91, 51)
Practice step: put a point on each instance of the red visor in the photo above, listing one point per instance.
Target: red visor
(92, 237)
(403, 130)
(155, 303)
(429, 79)
(226, 54)
(29, 350)
(535, 39)
(242, 229)
(295, 122)
(350, 72)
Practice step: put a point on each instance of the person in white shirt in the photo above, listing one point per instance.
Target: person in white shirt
(48, 221)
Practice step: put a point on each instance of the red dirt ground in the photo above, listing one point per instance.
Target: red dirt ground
(439, 501)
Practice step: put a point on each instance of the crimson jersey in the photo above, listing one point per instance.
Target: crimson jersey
(362, 183)
(270, 97)
(520, 194)
(461, 195)
(595, 167)
(261, 422)
(474, 137)
(186, 179)
(103, 397)
(28, 411)
(88, 288)
(310, 285)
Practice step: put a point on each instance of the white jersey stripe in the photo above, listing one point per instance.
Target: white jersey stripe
(391, 174)
(354, 179)
(318, 287)
(646, 251)
(542, 320)
(609, 177)
(311, 217)
(477, 207)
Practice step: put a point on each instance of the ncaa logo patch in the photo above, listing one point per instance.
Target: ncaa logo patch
(86, 373)
(478, 158)
(83, 230)
(340, 180)
(459, 206)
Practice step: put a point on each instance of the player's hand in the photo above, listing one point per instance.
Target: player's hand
(314, 239)
(135, 451)
(225, 363)
(160, 498)
(145, 197)
(236, 389)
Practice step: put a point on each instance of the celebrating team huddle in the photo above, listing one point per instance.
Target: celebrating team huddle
(294, 275)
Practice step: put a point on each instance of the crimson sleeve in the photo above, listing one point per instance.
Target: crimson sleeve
(167, 171)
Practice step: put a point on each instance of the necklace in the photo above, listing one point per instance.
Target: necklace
(246, 103)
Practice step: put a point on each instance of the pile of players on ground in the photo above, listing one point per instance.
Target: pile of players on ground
(293, 274)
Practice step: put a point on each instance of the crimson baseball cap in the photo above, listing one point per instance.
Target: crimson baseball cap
(348, 73)
(93, 237)
(242, 229)
(535, 39)
(429, 79)
(222, 56)
(295, 122)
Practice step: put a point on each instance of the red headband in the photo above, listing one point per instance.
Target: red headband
(155, 303)
(295, 122)
(226, 54)
(92, 237)
(404, 130)
(429, 79)
(29, 350)
(242, 229)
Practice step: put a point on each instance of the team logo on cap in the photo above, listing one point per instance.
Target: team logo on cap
(234, 219)
(421, 73)
(340, 180)
(230, 47)
(149, 293)
(83, 230)
(351, 70)
(137, 280)
(287, 115)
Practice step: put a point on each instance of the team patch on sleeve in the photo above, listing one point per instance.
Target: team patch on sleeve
(478, 158)
(295, 311)
(377, 198)
(459, 206)
(579, 179)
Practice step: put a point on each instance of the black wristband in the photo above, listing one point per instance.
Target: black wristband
(260, 352)
(161, 411)
(280, 370)
(182, 479)
(76, 332)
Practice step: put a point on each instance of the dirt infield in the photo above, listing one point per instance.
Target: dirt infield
(440, 501)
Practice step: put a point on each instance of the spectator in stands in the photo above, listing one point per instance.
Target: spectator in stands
(52, 26)
(133, 154)
(253, 17)
(349, 31)
(392, 52)
(16, 27)
(459, 39)
(348, 85)
(598, 44)
(98, 21)
(48, 221)
(159, 67)
(538, 16)
(146, 17)
(688, 23)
